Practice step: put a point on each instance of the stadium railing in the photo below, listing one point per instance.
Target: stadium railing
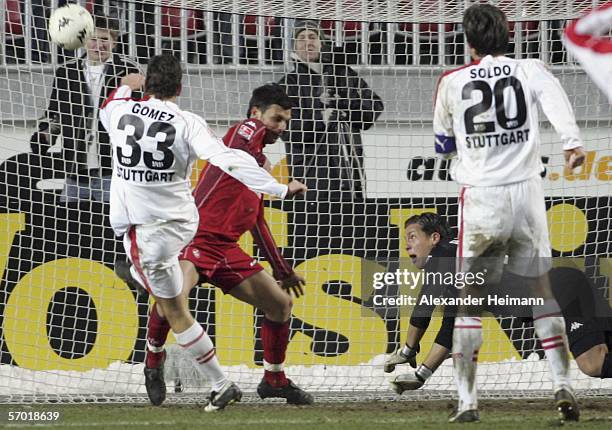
(263, 40)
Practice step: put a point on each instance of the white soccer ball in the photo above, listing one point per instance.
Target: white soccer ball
(70, 26)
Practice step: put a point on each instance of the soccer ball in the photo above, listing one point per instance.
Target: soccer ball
(70, 26)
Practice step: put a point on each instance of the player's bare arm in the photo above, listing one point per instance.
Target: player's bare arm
(268, 166)
(295, 188)
(135, 81)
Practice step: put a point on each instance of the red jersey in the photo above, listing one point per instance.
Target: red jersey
(228, 208)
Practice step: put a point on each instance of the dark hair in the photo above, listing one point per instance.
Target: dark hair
(431, 223)
(164, 76)
(109, 24)
(486, 29)
(267, 95)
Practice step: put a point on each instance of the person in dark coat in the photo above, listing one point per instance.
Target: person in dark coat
(80, 86)
(331, 106)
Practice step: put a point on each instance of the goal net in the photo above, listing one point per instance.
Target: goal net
(362, 139)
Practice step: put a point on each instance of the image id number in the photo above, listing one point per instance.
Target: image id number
(30, 416)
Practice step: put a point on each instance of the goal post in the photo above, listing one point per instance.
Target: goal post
(70, 329)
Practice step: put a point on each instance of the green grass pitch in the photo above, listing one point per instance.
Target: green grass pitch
(415, 415)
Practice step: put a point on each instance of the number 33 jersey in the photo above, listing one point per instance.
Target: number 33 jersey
(486, 114)
(154, 146)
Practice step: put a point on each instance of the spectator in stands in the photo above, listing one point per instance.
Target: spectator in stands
(223, 39)
(40, 39)
(80, 86)
(331, 106)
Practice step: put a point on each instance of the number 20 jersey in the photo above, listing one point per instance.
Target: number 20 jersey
(486, 115)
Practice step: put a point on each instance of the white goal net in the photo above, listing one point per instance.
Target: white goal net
(70, 329)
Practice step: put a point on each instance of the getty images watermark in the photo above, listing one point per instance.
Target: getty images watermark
(394, 288)
(403, 287)
(411, 280)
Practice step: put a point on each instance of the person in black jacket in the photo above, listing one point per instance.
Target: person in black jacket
(331, 106)
(80, 86)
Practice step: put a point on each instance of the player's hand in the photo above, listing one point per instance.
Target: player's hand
(135, 81)
(330, 115)
(398, 357)
(293, 284)
(295, 188)
(574, 157)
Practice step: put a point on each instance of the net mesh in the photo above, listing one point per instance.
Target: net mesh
(73, 331)
(387, 11)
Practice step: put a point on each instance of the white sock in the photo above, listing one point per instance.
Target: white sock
(551, 331)
(423, 372)
(406, 350)
(195, 341)
(467, 339)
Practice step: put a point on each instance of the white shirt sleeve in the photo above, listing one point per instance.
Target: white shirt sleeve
(116, 98)
(555, 104)
(446, 146)
(234, 162)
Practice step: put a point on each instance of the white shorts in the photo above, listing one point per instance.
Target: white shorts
(504, 220)
(154, 250)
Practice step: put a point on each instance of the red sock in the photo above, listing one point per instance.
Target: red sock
(274, 337)
(157, 333)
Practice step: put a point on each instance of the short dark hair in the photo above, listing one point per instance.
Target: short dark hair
(431, 223)
(109, 24)
(164, 76)
(267, 95)
(486, 29)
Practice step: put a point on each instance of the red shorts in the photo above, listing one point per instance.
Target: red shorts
(223, 264)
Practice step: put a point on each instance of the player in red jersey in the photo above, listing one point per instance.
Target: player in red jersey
(228, 209)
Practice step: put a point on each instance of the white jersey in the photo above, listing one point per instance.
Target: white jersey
(486, 114)
(154, 146)
(583, 39)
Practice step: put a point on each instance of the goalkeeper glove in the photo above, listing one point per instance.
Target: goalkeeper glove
(406, 382)
(401, 356)
(412, 380)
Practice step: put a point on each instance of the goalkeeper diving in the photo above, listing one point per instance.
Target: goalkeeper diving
(589, 331)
